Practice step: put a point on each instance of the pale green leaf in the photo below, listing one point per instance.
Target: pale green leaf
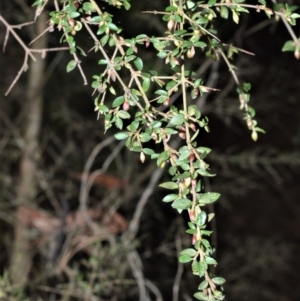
(201, 296)
(210, 260)
(190, 252)
(118, 101)
(218, 280)
(138, 63)
(71, 65)
(177, 119)
(235, 17)
(146, 84)
(201, 218)
(170, 198)
(182, 204)
(208, 197)
(123, 114)
(185, 258)
(121, 135)
(169, 185)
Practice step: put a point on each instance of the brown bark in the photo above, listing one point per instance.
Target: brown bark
(26, 191)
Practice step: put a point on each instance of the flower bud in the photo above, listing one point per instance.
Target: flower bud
(171, 24)
(193, 126)
(187, 182)
(254, 135)
(71, 22)
(194, 183)
(182, 135)
(191, 52)
(154, 136)
(192, 215)
(142, 157)
(126, 105)
(194, 239)
(147, 42)
(249, 123)
(166, 102)
(197, 32)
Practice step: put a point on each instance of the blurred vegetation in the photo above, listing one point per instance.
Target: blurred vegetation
(256, 232)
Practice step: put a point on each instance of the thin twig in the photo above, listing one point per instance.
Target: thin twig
(135, 222)
(85, 184)
(153, 288)
(28, 51)
(135, 263)
(78, 65)
(176, 285)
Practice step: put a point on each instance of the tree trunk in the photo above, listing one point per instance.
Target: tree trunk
(27, 188)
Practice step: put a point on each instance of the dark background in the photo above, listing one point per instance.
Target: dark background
(257, 225)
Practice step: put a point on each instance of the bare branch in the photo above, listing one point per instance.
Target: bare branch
(28, 51)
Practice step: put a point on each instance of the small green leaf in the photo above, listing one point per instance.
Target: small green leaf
(89, 7)
(191, 225)
(119, 123)
(177, 119)
(203, 285)
(170, 198)
(210, 260)
(194, 110)
(190, 4)
(123, 114)
(200, 44)
(211, 3)
(112, 90)
(189, 252)
(113, 27)
(172, 170)
(121, 135)
(205, 173)
(203, 150)
(133, 126)
(164, 156)
(210, 216)
(145, 137)
(218, 280)
(118, 101)
(148, 151)
(126, 5)
(202, 269)
(146, 84)
(170, 131)
(102, 62)
(201, 218)
(235, 17)
(74, 14)
(185, 258)
(289, 46)
(182, 204)
(191, 231)
(169, 185)
(208, 197)
(71, 65)
(103, 108)
(171, 84)
(156, 124)
(138, 63)
(161, 92)
(201, 296)
(96, 19)
(224, 12)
